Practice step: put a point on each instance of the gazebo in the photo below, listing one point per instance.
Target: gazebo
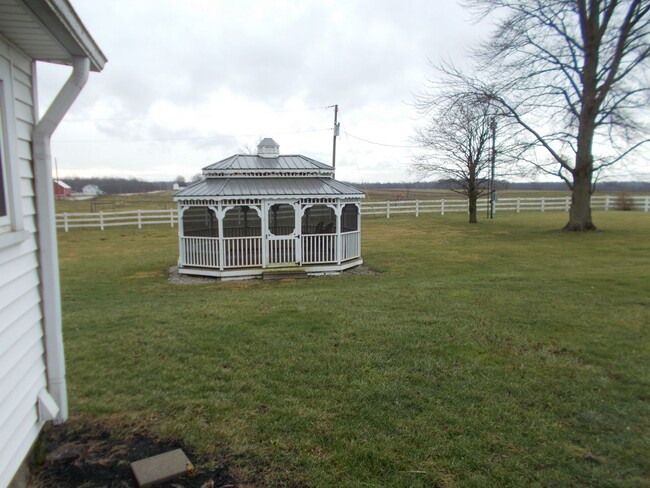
(268, 214)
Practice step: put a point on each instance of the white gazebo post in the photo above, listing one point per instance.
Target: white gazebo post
(359, 227)
(265, 234)
(221, 249)
(297, 231)
(181, 235)
(339, 234)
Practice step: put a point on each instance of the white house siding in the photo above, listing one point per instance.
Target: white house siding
(22, 361)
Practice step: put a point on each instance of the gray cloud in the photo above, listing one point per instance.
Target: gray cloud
(351, 52)
(364, 55)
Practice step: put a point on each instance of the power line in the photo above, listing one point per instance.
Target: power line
(380, 143)
(354, 155)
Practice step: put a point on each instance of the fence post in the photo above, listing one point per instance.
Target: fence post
(566, 204)
(171, 217)
(65, 221)
(646, 207)
(518, 204)
(101, 219)
(442, 207)
(543, 204)
(388, 210)
(417, 208)
(607, 203)
(139, 219)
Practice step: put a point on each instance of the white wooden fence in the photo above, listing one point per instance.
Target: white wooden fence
(538, 204)
(101, 220)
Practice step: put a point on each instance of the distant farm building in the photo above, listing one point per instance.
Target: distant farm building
(268, 213)
(91, 190)
(61, 189)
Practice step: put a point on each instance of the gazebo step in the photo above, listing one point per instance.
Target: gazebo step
(283, 274)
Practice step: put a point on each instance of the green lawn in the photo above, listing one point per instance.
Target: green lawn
(501, 354)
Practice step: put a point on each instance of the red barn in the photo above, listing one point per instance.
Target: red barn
(61, 189)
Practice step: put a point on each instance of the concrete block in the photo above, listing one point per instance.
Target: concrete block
(161, 468)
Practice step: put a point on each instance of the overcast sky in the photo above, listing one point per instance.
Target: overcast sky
(188, 83)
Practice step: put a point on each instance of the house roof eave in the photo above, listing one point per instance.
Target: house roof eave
(57, 22)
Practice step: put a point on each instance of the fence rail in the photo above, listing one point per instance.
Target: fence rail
(101, 220)
(538, 204)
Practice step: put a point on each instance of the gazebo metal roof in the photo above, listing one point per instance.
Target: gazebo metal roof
(254, 162)
(279, 187)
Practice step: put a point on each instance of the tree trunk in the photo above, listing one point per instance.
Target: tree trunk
(580, 211)
(472, 197)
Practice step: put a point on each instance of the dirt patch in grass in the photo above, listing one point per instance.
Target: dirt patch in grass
(91, 455)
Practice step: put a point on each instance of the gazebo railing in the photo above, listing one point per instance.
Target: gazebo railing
(319, 248)
(242, 252)
(200, 251)
(247, 252)
(350, 245)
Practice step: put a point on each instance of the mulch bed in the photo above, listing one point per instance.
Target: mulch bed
(89, 456)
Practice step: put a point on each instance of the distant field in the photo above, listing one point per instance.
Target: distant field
(116, 203)
(500, 354)
(408, 194)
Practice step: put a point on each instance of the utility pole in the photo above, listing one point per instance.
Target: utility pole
(488, 195)
(336, 133)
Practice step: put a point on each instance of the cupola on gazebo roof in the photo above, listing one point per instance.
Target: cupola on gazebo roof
(251, 213)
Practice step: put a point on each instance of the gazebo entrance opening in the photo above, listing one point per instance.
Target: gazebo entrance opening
(282, 236)
(242, 232)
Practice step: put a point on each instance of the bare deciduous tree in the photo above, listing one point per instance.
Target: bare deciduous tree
(457, 142)
(247, 149)
(573, 74)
